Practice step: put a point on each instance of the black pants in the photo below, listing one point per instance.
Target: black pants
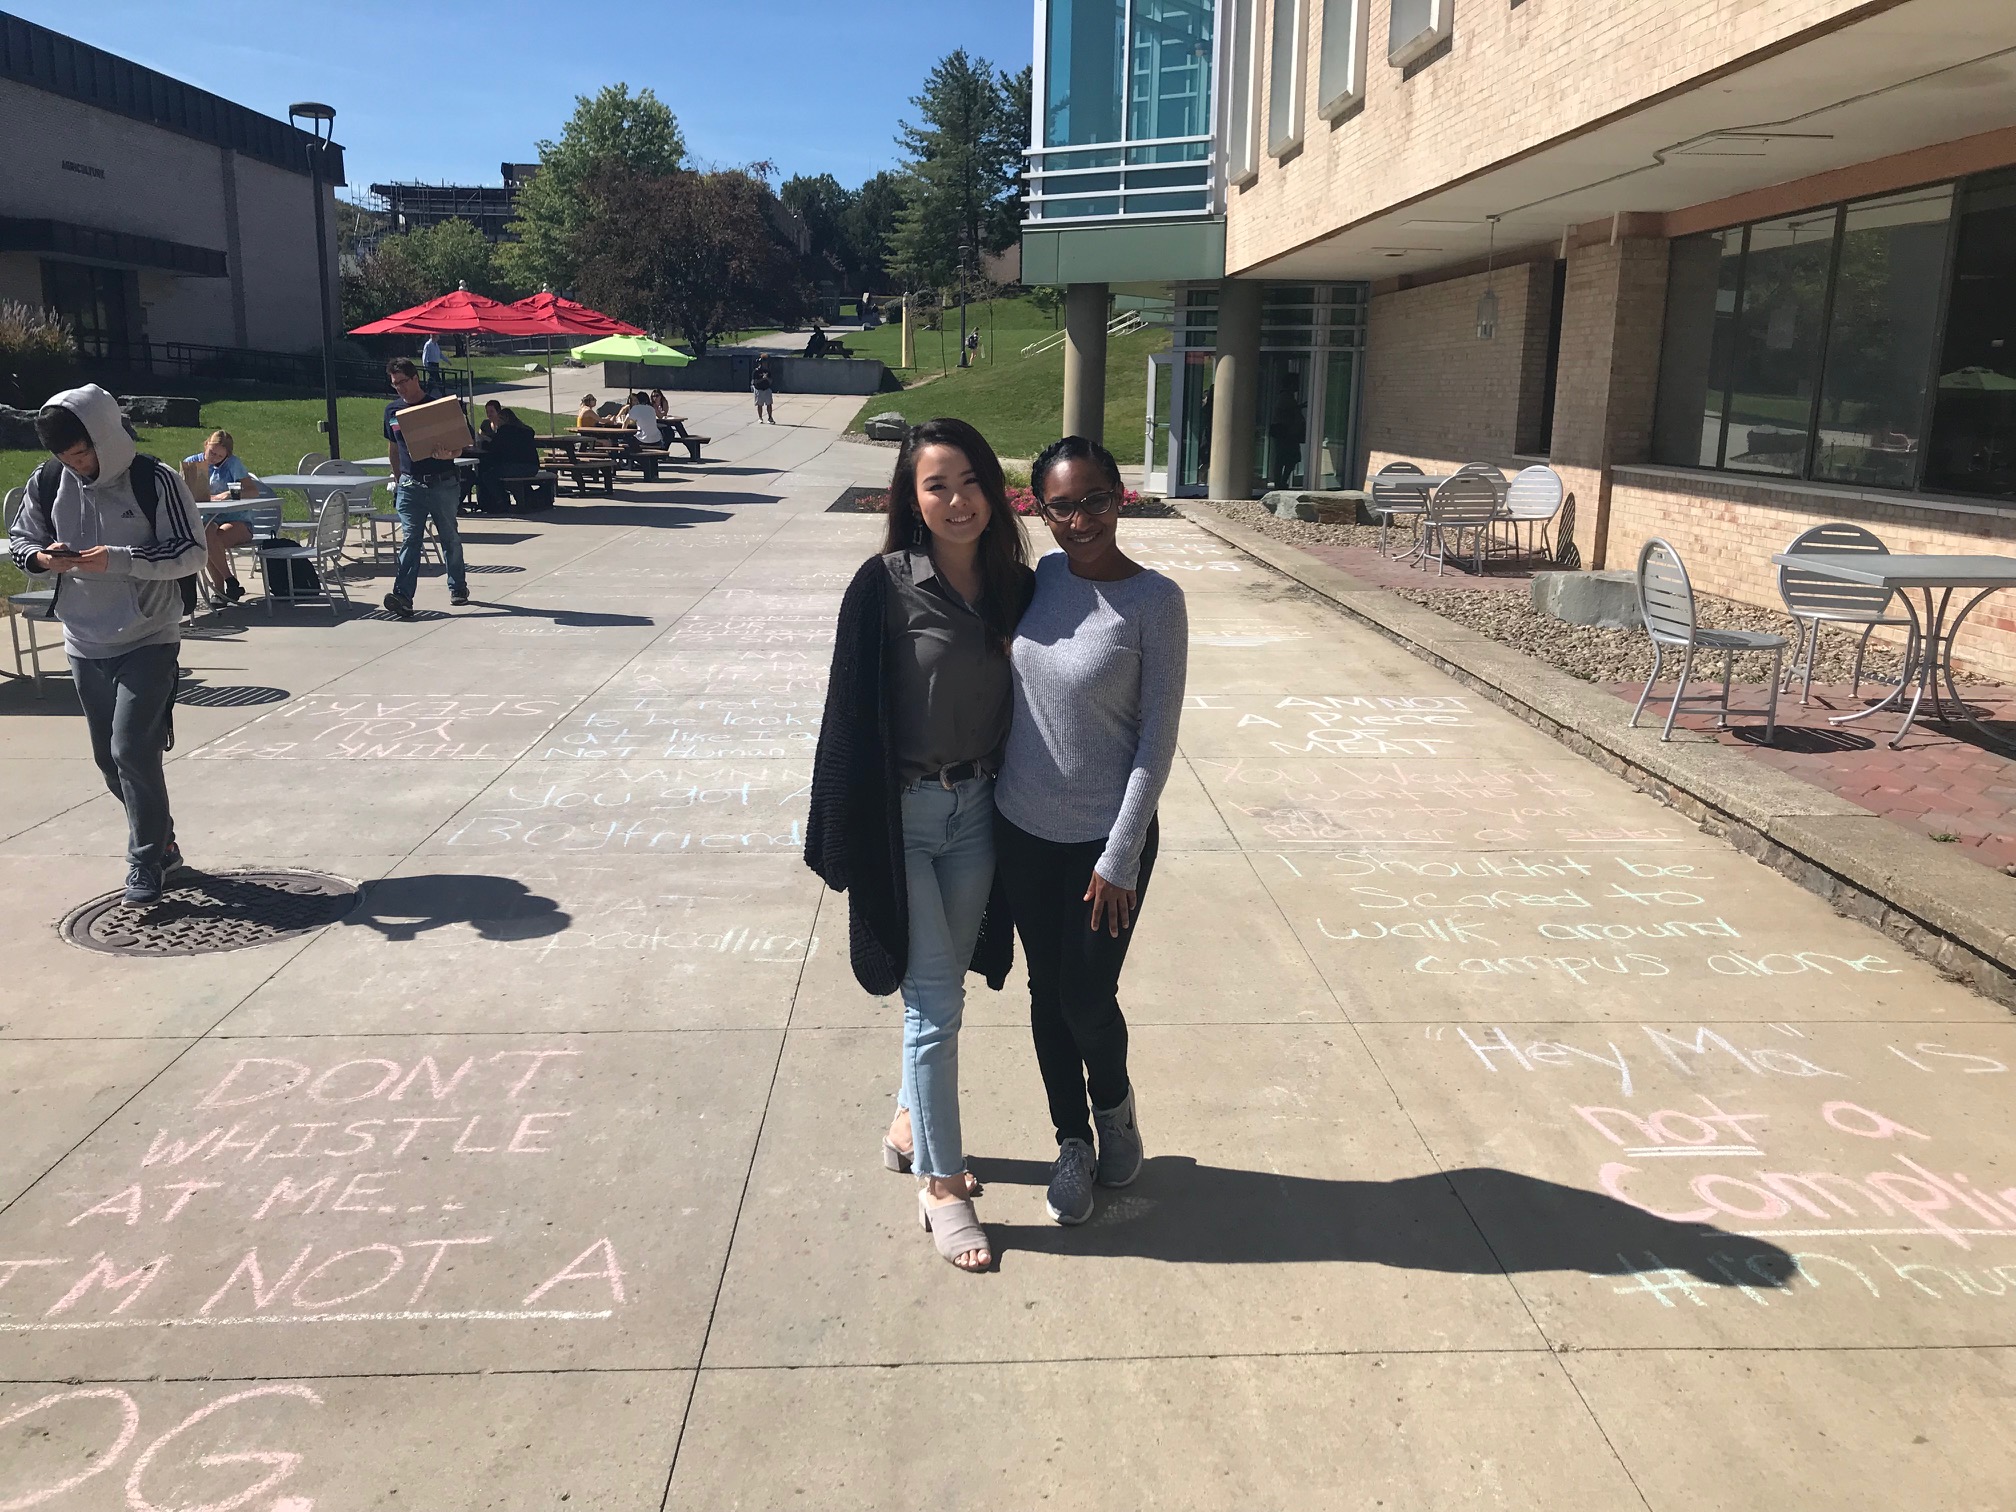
(127, 702)
(1074, 971)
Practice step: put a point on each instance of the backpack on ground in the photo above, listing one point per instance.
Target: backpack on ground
(145, 477)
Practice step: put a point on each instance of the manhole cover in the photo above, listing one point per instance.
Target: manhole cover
(202, 913)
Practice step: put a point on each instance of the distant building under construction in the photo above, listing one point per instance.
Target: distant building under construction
(489, 208)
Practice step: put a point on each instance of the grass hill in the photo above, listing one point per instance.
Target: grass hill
(1017, 402)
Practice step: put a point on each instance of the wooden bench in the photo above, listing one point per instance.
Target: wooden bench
(526, 490)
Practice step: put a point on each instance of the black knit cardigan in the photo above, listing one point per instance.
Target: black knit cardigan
(854, 836)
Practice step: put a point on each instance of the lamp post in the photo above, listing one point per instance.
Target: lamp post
(964, 252)
(321, 129)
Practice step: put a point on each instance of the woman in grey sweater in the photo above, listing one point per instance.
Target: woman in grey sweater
(1099, 660)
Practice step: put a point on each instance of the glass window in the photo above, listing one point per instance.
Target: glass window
(1169, 92)
(1973, 443)
(1281, 419)
(1701, 288)
(1083, 87)
(1341, 83)
(1241, 134)
(1880, 339)
(1339, 389)
(1415, 28)
(1775, 364)
(1284, 89)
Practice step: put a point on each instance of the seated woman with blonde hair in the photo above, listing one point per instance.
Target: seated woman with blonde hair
(230, 479)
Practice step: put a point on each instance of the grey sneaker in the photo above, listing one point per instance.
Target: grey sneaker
(1120, 1152)
(143, 886)
(1069, 1199)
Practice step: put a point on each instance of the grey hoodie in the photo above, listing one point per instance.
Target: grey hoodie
(137, 600)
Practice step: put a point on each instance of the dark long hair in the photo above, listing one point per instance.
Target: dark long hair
(1003, 548)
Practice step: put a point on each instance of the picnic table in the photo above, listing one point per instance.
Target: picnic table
(1937, 579)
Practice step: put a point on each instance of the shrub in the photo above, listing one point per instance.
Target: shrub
(37, 354)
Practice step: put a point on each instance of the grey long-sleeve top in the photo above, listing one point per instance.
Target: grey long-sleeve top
(1099, 670)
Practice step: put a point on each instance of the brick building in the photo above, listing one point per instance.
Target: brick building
(1734, 267)
(147, 210)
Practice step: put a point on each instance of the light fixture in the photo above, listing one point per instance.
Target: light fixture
(1487, 306)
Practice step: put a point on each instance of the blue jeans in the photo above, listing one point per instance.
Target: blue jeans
(948, 863)
(416, 503)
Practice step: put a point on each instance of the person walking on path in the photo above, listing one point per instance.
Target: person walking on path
(120, 530)
(763, 387)
(424, 489)
(902, 816)
(1099, 662)
(430, 359)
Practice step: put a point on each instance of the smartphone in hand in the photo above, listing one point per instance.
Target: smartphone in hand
(61, 551)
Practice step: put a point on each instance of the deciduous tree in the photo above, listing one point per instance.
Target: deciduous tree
(697, 253)
(615, 131)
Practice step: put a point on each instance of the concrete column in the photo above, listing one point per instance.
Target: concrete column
(1612, 314)
(1235, 389)
(1085, 361)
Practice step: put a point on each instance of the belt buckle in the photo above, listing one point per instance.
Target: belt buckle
(945, 780)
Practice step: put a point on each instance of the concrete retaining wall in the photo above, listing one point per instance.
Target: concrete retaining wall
(730, 371)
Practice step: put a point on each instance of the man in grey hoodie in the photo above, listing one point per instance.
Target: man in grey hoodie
(119, 597)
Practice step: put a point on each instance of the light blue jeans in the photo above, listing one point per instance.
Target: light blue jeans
(417, 504)
(948, 863)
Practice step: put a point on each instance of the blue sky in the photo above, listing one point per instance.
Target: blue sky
(447, 91)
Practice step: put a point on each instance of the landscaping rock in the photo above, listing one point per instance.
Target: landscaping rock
(168, 410)
(887, 426)
(1327, 507)
(1608, 599)
(17, 430)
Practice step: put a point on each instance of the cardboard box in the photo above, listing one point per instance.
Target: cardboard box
(437, 425)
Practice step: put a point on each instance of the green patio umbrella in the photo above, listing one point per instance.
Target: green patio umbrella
(632, 349)
(1985, 380)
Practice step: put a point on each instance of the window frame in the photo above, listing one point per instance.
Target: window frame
(1294, 104)
(1241, 91)
(1441, 24)
(1351, 36)
(1916, 490)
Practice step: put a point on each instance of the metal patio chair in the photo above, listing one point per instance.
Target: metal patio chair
(1466, 505)
(1532, 499)
(1393, 497)
(1814, 600)
(33, 604)
(1666, 600)
(324, 552)
(311, 461)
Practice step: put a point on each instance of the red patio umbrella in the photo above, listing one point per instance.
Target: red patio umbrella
(452, 314)
(557, 316)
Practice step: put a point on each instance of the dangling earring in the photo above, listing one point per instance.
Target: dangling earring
(920, 535)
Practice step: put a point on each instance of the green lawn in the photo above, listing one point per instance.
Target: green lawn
(1018, 402)
(272, 436)
(1005, 327)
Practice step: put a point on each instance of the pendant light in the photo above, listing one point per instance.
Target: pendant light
(1487, 306)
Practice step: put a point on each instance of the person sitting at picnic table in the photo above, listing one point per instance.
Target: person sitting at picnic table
(643, 419)
(589, 417)
(659, 404)
(229, 528)
(505, 448)
(816, 347)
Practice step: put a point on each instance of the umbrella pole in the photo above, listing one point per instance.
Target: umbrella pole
(549, 381)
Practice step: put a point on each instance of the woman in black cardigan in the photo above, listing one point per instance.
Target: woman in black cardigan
(903, 786)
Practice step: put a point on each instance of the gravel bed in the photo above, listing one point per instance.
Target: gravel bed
(1592, 654)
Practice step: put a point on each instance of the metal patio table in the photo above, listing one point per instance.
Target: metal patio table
(1937, 580)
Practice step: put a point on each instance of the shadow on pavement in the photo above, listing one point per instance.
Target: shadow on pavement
(499, 908)
(1478, 1220)
(582, 619)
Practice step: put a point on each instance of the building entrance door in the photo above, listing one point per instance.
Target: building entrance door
(1156, 448)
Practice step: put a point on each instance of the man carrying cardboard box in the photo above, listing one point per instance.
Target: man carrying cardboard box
(425, 487)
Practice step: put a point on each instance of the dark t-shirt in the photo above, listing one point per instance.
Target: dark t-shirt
(425, 468)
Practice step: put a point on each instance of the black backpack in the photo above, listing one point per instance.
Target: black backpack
(146, 480)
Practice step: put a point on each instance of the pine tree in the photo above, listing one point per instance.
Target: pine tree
(963, 163)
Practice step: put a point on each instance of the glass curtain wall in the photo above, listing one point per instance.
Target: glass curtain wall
(1871, 344)
(1127, 108)
(1973, 447)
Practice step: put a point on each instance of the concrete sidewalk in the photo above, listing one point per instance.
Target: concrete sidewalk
(1512, 1143)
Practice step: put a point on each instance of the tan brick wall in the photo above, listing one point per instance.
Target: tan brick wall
(1728, 530)
(1513, 80)
(1433, 391)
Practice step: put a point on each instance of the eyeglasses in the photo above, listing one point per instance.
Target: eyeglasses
(1092, 506)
